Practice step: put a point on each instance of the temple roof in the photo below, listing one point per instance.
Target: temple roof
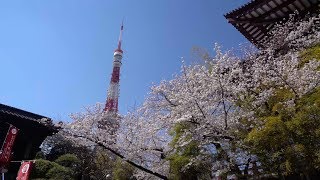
(21, 118)
(20, 113)
(33, 129)
(257, 18)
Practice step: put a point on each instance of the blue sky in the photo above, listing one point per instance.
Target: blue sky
(56, 55)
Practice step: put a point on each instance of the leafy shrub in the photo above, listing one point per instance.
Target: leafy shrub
(68, 160)
(310, 53)
(59, 172)
(45, 169)
(122, 170)
(41, 168)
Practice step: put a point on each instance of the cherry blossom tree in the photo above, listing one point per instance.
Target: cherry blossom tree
(219, 104)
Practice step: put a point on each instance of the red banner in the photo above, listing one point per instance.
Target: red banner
(5, 153)
(25, 170)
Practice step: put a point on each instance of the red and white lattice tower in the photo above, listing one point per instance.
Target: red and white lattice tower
(113, 91)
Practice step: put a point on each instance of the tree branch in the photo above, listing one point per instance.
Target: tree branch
(167, 99)
(99, 143)
(218, 136)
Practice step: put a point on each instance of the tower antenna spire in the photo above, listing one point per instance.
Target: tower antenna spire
(120, 37)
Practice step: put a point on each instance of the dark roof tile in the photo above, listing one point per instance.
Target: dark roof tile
(257, 18)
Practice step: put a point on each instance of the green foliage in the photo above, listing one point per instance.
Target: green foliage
(276, 101)
(123, 170)
(273, 134)
(275, 104)
(59, 172)
(86, 163)
(41, 168)
(68, 160)
(40, 155)
(45, 169)
(104, 164)
(289, 140)
(309, 54)
(180, 161)
(177, 132)
(179, 167)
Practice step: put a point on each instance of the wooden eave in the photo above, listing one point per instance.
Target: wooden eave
(257, 18)
(25, 120)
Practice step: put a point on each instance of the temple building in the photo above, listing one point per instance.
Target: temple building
(258, 17)
(33, 129)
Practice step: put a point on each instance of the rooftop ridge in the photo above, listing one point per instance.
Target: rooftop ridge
(21, 113)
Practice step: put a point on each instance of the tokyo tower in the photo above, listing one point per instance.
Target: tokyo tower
(113, 91)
